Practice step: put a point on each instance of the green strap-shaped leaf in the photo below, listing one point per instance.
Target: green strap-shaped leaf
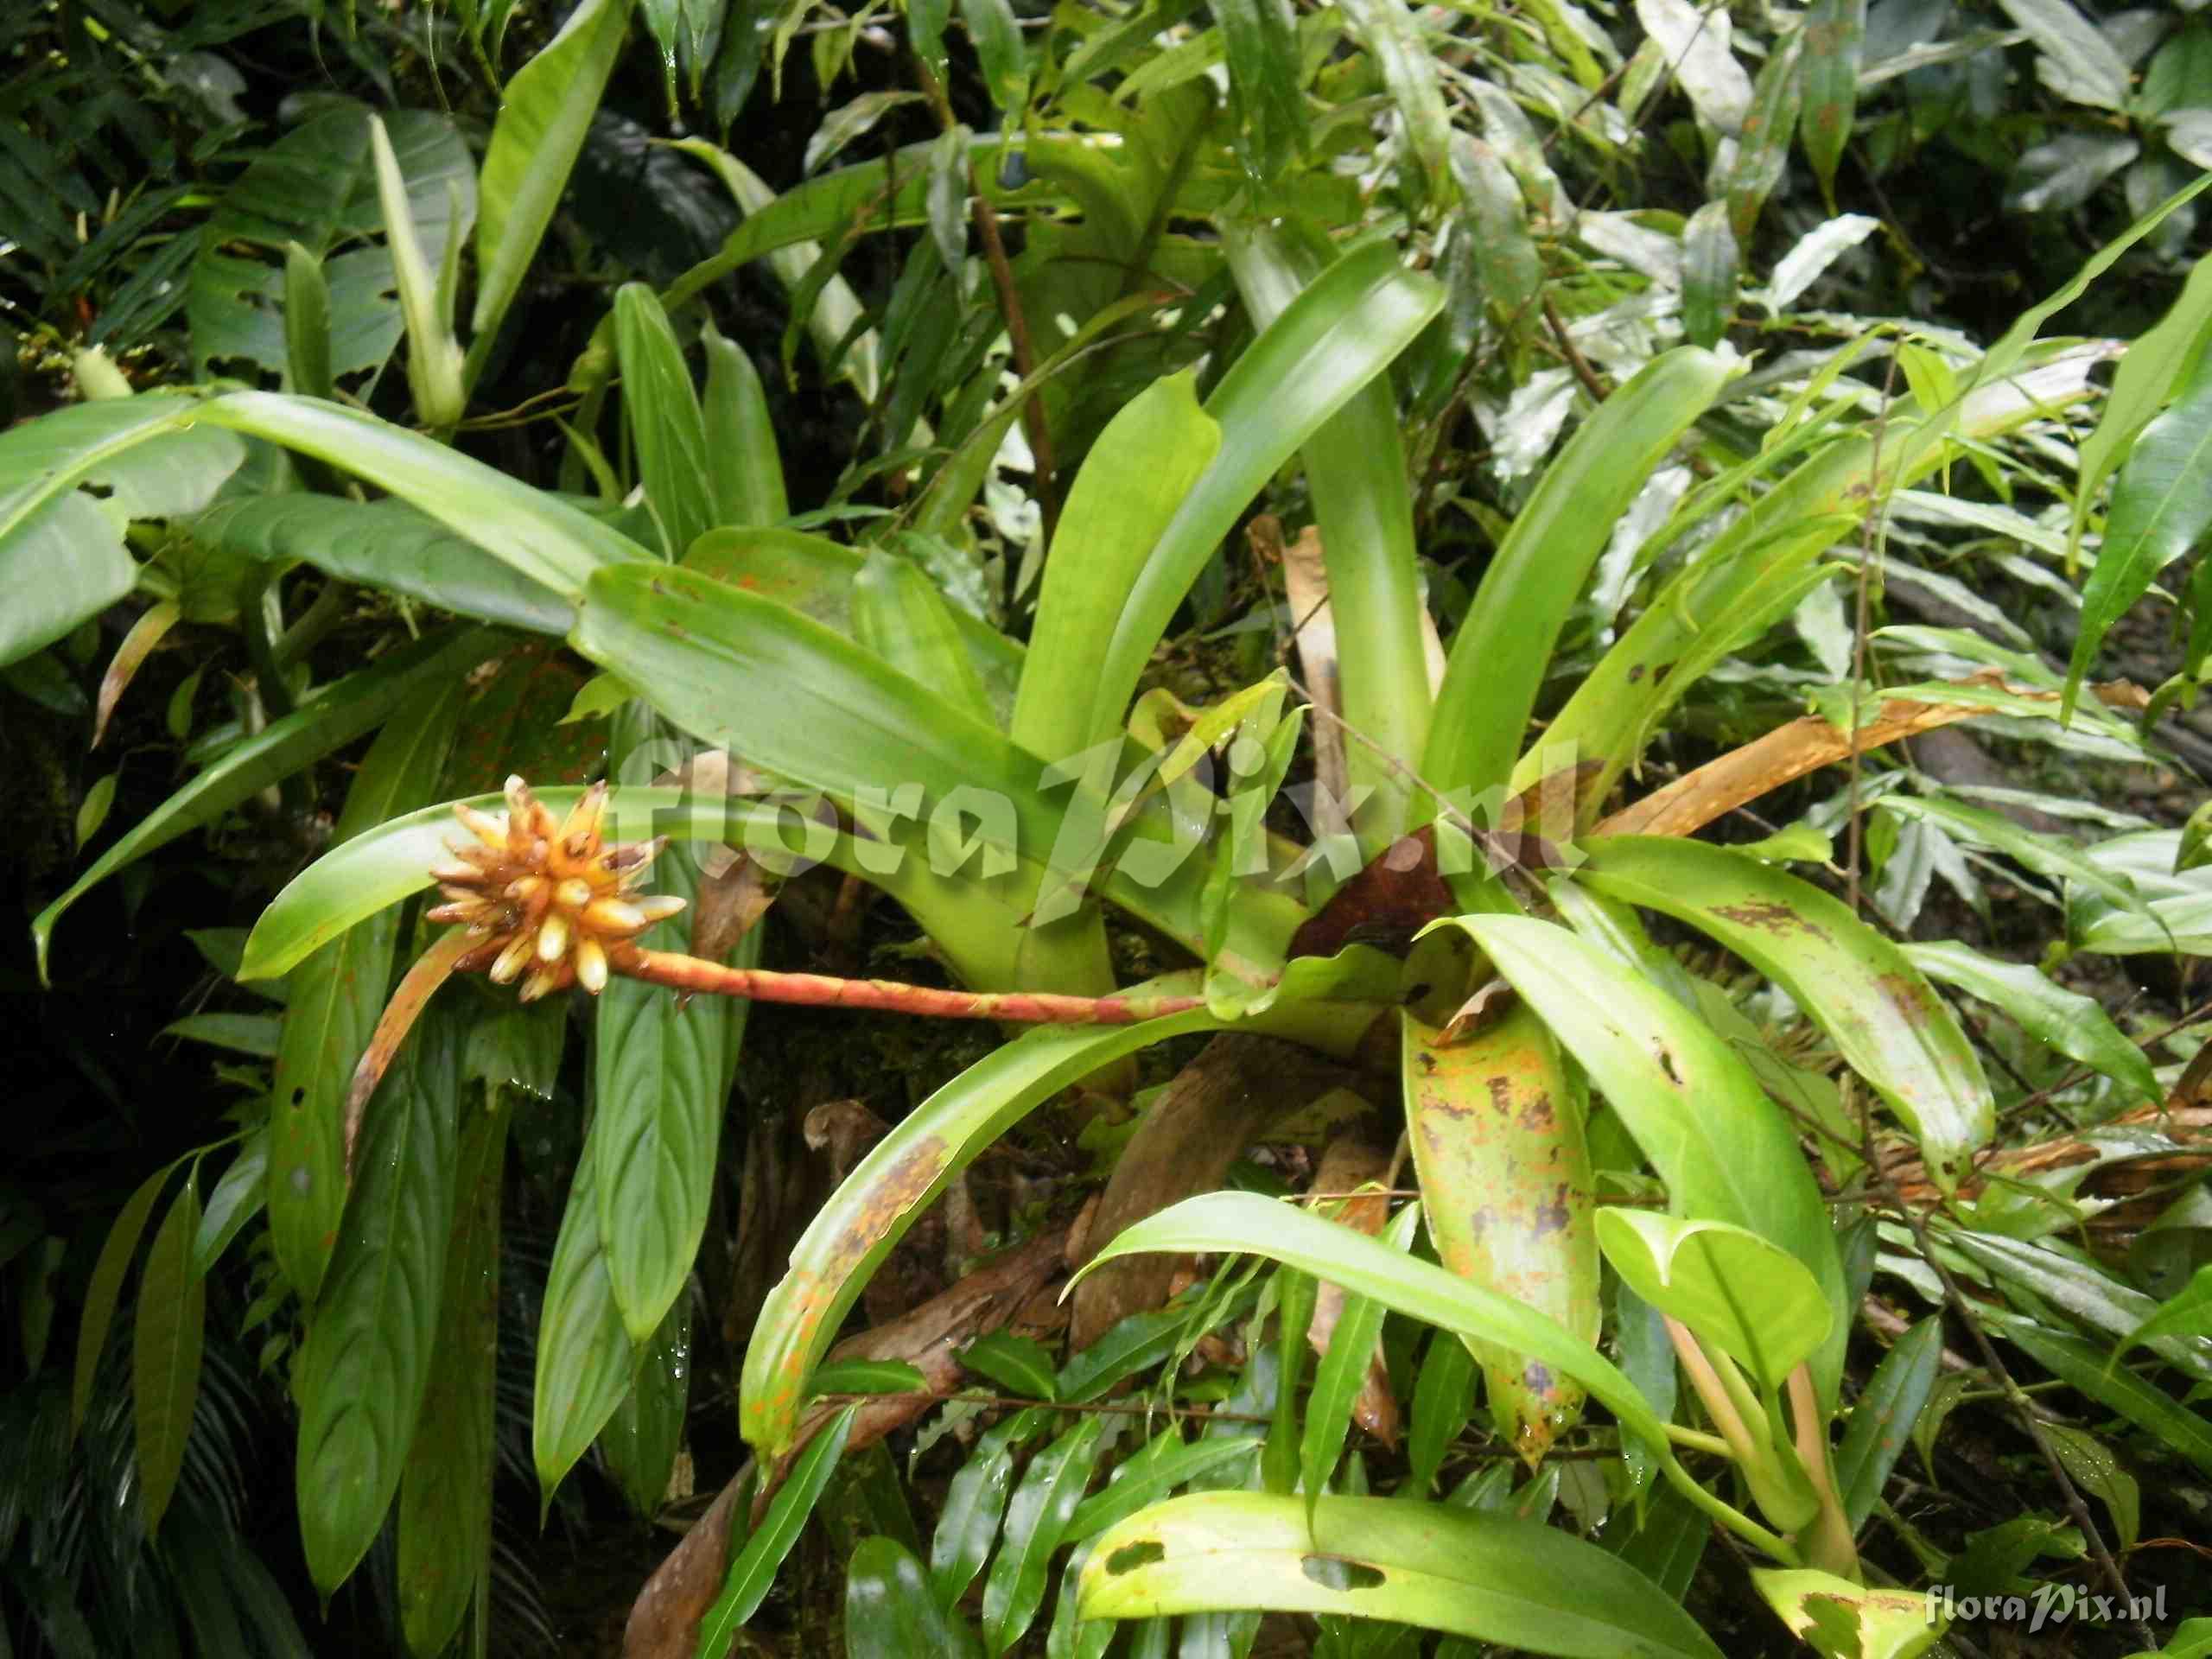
(165, 1353)
(1144, 465)
(1497, 1134)
(1341, 1374)
(334, 998)
(1886, 1020)
(445, 1494)
(868, 1215)
(744, 469)
(1723, 1150)
(754, 1570)
(60, 565)
(2070, 1022)
(547, 109)
(366, 1361)
(1834, 33)
(1355, 467)
(975, 1506)
(1491, 1579)
(387, 544)
(342, 713)
(662, 410)
(1504, 648)
(1344, 329)
(2088, 1367)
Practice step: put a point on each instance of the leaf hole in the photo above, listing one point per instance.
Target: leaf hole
(1130, 1557)
(1335, 1572)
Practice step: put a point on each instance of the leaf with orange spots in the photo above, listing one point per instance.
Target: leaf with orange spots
(1496, 1133)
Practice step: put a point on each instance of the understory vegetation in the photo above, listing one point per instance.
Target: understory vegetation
(1358, 830)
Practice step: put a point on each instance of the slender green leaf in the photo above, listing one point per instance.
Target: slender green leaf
(889, 1612)
(1018, 1364)
(1504, 648)
(899, 614)
(445, 1494)
(307, 325)
(2160, 358)
(1711, 265)
(1389, 31)
(2089, 1367)
(2068, 1021)
(105, 1288)
(662, 410)
(1265, 100)
(1882, 1419)
(366, 1361)
(545, 112)
(869, 1377)
(1492, 1578)
(1884, 1018)
(754, 1569)
(2187, 1313)
(165, 1353)
(1835, 31)
(1036, 1518)
(746, 472)
(1342, 1373)
(340, 715)
(236, 1199)
(1166, 1462)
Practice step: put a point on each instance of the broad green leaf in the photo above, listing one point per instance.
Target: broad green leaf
(2188, 1313)
(341, 713)
(444, 1553)
(1497, 1138)
(852, 1233)
(2088, 1367)
(1362, 502)
(1882, 1416)
(315, 187)
(1669, 1542)
(236, 1199)
(2090, 1465)
(745, 469)
(1506, 258)
(1723, 1150)
(2067, 1020)
(661, 1078)
(1490, 1578)
(165, 1353)
(533, 532)
(545, 114)
(1036, 1517)
(1342, 330)
(1834, 33)
(1504, 649)
(889, 1612)
(1444, 1401)
(387, 544)
(366, 1361)
(1839, 1619)
(1753, 1301)
(584, 1356)
(754, 1569)
(641, 1439)
(63, 563)
(105, 1288)
(662, 410)
(1884, 1018)
(1131, 487)
(899, 614)
(1005, 61)
(2161, 505)
(335, 997)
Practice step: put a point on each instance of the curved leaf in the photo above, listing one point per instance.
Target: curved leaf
(1036, 1519)
(105, 1288)
(754, 1569)
(661, 409)
(165, 1353)
(641, 1439)
(747, 475)
(899, 614)
(2068, 1021)
(1491, 1579)
(387, 544)
(334, 1000)
(341, 714)
(1504, 649)
(1750, 1299)
(1883, 1417)
(1496, 1136)
(872, 1208)
(545, 111)
(366, 1361)
(889, 1612)
(1890, 1026)
(584, 1356)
